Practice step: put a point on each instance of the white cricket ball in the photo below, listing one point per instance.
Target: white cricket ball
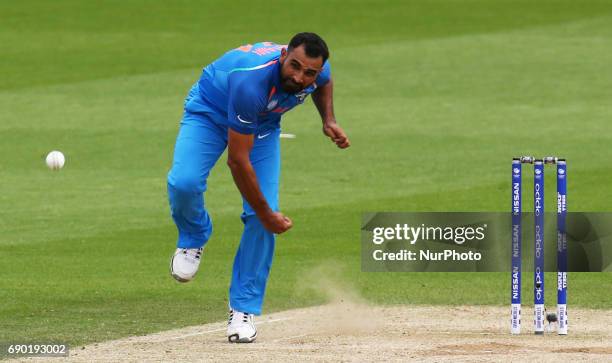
(55, 160)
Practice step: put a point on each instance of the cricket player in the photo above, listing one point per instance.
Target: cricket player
(238, 103)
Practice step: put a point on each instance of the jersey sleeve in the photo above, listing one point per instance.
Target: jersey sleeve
(247, 98)
(324, 76)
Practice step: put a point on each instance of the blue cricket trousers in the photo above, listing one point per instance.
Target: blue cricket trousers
(199, 144)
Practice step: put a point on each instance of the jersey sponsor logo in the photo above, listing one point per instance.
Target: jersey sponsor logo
(261, 50)
(243, 121)
(260, 136)
(267, 49)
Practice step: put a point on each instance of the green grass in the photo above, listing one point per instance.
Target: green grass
(436, 97)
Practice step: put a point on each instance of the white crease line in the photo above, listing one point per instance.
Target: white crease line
(210, 331)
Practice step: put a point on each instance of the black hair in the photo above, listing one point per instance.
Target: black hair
(314, 45)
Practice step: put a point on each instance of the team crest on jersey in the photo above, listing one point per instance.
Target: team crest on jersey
(271, 105)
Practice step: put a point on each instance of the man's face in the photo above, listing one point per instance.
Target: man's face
(298, 70)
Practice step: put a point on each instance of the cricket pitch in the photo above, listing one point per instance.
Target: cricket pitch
(347, 331)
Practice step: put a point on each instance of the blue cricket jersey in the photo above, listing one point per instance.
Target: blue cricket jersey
(242, 89)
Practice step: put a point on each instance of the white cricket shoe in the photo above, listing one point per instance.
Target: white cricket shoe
(240, 327)
(185, 263)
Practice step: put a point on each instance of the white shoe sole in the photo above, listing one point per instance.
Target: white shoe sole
(235, 338)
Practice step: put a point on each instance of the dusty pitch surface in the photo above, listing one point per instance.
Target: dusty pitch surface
(351, 332)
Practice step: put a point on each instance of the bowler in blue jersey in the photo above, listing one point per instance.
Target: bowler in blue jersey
(237, 104)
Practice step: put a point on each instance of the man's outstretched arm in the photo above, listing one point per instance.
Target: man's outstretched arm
(239, 147)
(323, 99)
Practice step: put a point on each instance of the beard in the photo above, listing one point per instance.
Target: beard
(289, 86)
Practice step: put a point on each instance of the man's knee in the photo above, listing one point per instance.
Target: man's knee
(185, 193)
(185, 198)
(185, 184)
